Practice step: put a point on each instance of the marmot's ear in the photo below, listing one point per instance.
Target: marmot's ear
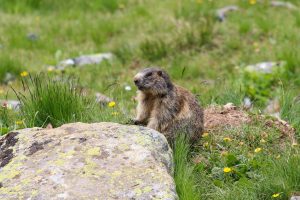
(160, 73)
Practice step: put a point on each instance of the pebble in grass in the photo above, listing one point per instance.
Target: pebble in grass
(222, 12)
(32, 37)
(102, 99)
(264, 67)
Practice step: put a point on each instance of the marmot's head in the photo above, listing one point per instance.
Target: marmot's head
(154, 81)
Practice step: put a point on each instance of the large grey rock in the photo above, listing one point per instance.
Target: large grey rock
(86, 161)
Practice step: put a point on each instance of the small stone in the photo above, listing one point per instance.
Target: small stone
(92, 59)
(32, 37)
(264, 67)
(84, 60)
(247, 103)
(229, 106)
(222, 12)
(9, 77)
(102, 99)
(283, 4)
(273, 108)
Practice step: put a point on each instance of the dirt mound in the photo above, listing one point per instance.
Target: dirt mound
(229, 116)
(216, 117)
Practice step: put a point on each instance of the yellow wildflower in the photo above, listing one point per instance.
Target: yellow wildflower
(19, 122)
(50, 69)
(252, 2)
(257, 150)
(205, 134)
(276, 195)
(227, 170)
(262, 141)
(112, 104)
(294, 144)
(206, 144)
(24, 73)
(227, 139)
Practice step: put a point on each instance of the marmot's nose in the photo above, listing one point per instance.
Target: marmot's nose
(136, 81)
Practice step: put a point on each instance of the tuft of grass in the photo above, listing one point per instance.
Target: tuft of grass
(54, 102)
(282, 176)
(184, 171)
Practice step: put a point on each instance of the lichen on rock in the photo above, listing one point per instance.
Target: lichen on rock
(86, 161)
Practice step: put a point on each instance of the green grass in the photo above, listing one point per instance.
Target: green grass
(53, 102)
(279, 176)
(254, 175)
(200, 53)
(184, 171)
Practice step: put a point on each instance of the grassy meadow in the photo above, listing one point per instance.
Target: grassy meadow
(201, 53)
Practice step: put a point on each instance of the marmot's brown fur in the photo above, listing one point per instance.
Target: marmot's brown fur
(166, 107)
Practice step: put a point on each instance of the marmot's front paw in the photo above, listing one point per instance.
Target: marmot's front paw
(134, 122)
(138, 122)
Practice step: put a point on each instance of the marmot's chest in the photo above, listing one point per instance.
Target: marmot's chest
(173, 106)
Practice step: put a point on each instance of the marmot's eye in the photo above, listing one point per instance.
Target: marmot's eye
(149, 74)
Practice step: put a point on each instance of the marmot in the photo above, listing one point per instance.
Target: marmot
(166, 107)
